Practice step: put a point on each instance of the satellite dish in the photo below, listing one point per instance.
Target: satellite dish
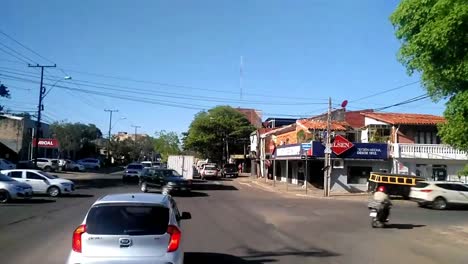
(344, 103)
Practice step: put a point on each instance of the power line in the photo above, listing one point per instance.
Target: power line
(385, 91)
(13, 55)
(24, 46)
(132, 90)
(18, 53)
(186, 87)
(408, 101)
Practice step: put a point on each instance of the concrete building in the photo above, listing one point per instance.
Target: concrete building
(16, 135)
(254, 116)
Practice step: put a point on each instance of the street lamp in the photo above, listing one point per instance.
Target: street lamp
(116, 121)
(56, 82)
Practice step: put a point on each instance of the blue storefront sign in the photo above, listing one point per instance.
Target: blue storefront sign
(371, 151)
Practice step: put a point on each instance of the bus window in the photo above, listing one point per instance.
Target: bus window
(401, 180)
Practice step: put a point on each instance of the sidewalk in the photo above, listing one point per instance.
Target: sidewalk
(297, 190)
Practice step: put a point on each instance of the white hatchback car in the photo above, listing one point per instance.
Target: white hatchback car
(439, 194)
(42, 182)
(130, 228)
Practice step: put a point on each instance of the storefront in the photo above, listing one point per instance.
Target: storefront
(351, 167)
(433, 170)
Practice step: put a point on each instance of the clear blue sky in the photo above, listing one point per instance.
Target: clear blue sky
(296, 54)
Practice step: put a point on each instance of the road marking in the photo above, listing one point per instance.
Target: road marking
(244, 183)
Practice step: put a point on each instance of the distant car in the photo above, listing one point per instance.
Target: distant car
(147, 164)
(130, 228)
(10, 189)
(42, 182)
(6, 165)
(164, 180)
(229, 170)
(73, 166)
(132, 172)
(439, 194)
(209, 171)
(45, 164)
(90, 163)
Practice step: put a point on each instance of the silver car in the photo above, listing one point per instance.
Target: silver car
(130, 228)
(11, 189)
(47, 164)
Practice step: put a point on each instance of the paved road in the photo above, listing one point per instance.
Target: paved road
(237, 223)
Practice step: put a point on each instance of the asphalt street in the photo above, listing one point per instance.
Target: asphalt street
(235, 222)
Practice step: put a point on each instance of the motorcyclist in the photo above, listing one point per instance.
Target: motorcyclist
(381, 197)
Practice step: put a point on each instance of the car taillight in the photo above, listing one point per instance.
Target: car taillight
(426, 191)
(76, 243)
(174, 241)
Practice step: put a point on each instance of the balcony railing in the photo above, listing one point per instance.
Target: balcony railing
(427, 151)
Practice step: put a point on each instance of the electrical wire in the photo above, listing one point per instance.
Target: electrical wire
(16, 52)
(132, 90)
(408, 101)
(13, 55)
(385, 91)
(24, 46)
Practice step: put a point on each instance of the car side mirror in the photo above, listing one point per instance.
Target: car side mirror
(186, 216)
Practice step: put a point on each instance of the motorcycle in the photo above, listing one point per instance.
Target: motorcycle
(379, 214)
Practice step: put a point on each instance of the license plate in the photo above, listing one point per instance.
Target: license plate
(373, 214)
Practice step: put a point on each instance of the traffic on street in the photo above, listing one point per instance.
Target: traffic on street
(234, 132)
(235, 222)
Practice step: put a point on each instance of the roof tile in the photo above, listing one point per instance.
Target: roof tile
(406, 119)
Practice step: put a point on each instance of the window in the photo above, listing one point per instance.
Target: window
(48, 176)
(135, 167)
(401, 180)
(41, 160)
(16, 174)
(421, 185)
(445, 186)
(127, 220)
(460, 187)
(5, 178)
(33, 176)
(358, 175)
(426, 137)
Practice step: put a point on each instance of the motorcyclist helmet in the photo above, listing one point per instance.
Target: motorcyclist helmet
(381, 189)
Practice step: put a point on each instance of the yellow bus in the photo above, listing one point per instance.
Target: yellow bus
(396, 184)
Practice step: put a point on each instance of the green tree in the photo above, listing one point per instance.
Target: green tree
(4, 92)
(76, 138)
(210, 130)
(167, 143)
(434, 35)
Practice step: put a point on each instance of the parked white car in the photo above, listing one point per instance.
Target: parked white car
(6, 165)
(73, 166)
(11, 189)
(439, 194)
(42, 182)
(89, 163)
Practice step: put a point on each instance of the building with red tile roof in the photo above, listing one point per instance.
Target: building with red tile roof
(405, 118)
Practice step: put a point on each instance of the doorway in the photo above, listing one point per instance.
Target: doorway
(439, 172)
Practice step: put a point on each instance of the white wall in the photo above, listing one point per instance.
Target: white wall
(371, 121)
(339, 177)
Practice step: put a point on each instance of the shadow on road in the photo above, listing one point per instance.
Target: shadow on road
(77, 195)
(213, 187)
(97, 183)
(190, 194)
(402, 226)
(255, 257)
(29, 201)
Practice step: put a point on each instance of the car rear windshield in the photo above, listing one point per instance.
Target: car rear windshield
(127, 220)
(421, 185)
(210, 167)
(230, 166)
(48, 176)
(5, 178)
(135, 167)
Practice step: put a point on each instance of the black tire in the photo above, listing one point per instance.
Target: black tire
(47, 169)
(96, 168)
(53, 191)
(422, 205)
(439, 203)
(4, 196)
(76, 169)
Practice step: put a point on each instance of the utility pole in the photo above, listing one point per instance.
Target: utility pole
(135, 138)
(327, 171)
(110, 128)
(40, 107)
